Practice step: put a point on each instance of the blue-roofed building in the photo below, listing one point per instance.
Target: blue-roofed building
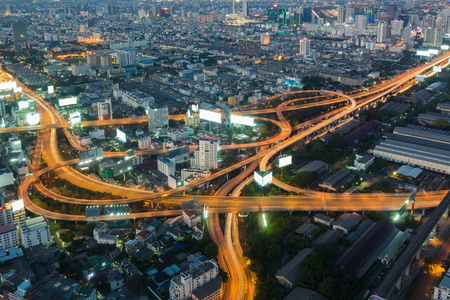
(442, 290)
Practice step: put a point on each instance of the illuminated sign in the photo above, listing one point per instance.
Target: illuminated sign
(242, 120)
(75, 118)
(68, 101)
(263, 178)
(121, 136)
(18, 89)
(23, 105)
(210, 116)
(437, 69)
(10, 85)
(194, 107)
(423, 53)
(50, 89)
(123, 167)
(284, 161)
(433, 51)
(17, 205)
(420, 78)
(33, 118)
(445, 47)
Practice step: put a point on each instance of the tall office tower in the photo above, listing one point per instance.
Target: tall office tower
(234, 6)
(207, 154)
(407, 35)
(396, 27)
(19, 30)
(2, 108)
(391, 11)
(433, 37)
(341, 13)
(305, 47)
(244, 12)
(368, 11)
(381, 32)
(348, 13)
(104, 110)
(360, 22)
(413, 20)
(157, 117)
(307, 15)
(447, 26)
(429, 21)
(272, 13)
(6, 214)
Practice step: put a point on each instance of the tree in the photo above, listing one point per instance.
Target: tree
(139, 111)
(136, 285)
(440, 123)
(303, 179)
(101, 283)
(211, 250)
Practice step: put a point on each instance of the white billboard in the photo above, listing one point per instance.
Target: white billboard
(9, 85)
(17, 205)
(75, 118)
(242, 120)
(263, 178)
(210, 116)
(50, 89)
(284, 161)
(121, 136)
(68, 101)
(23, 105)
(194, 107)
(420, 78)
(18, 89)
(33, 118)
(433, 51)
(437, 69)
(425, 53)
(445, 47)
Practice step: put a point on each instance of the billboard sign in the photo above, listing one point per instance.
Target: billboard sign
(33, 118)
(23, 105)
(121, 136)
(75, 118)
(50, 89)
(437, 69)
(420, 78)
(211, 116)
(123, 167)
(10, 85)
(263, 178)
(242, 120)
(17, 205)
(283, 161)
(68, 101)
(93, 154)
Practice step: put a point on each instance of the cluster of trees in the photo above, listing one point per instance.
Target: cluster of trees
(320, 274)
(382, 186)
(377, 166)
(330, 152)
(70, 190)
(265, 251)
(59, 207)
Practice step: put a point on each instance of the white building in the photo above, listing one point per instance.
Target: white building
(166, 165)
(442, 290)
(158, 117)
(125, 57)
(207, 154)
(98, 134)
(104, 109)
(6, 177)
(34, 232)
(185, 173)
(381, 32)
(6, 213)
(360, 22)
(80, 69)
(305, 47)
(191, 218)
(137, 99)
(102, 236)
(145, 143)
(14, 144)
(182, 286)
(8, 237)
(407, 35)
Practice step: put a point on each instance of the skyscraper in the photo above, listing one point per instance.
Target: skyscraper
(360, 22)
(207, 154)
(272, 13)
(157, 117)
(305, 47)
(407, 35)
(391, 10)
(19, 30)
(381, 32)
(341, 13)
(244, 9)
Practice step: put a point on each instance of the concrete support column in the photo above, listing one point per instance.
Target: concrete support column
(423, 212)
(418, 254)
(407, 270)
(445, 215)
(398, 285)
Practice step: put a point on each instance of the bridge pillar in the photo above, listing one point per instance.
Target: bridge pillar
(418, 254)
(398, 285)
(445, 215)
(407, 270)
(423, 212)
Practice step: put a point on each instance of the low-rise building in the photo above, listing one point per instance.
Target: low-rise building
(191, 218)
(8, 237)
(325, 220)
(34, 232)
(115, 280)
(362, 162)
(288, 274)
(346, 222)
(442, 290)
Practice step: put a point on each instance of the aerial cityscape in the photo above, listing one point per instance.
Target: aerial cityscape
(238, 149)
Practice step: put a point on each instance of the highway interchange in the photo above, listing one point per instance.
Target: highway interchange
(47, 148)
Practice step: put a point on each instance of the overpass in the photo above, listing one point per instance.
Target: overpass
(402, 264)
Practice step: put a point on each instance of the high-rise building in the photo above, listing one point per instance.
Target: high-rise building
(305, 47)
(265, 38)
(19, 30)
(244, 8)
(6, 213)
(157, 118)
(360, 22)
(407, 35)
(349, 16)
(185, 284)
(34, 232)
(207, 154)
(2, 108)
(8, 237)
(429, 21)
(396, 27)
(272, 13)
(433, 37)
(391, 11)
(381, 32)
(368, 12)
(104, 110)
(341, 14)
(233, 6)
(307, 15)
(166, 165)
